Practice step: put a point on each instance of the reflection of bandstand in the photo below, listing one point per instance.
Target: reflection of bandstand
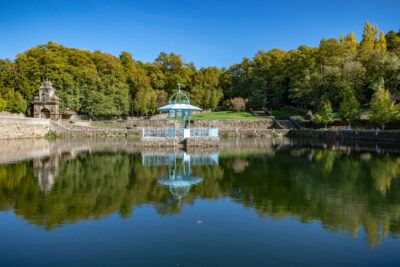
(179, 178)
(178, 128)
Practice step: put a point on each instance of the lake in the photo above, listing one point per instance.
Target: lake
(252, 202)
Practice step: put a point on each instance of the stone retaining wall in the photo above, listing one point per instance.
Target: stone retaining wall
(364, 135)
(16, 127)
(253, 132)
(99, 132)
(221, 124)
(144, 122)
(234, 124)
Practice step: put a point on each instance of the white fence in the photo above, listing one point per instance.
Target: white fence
(181, 133)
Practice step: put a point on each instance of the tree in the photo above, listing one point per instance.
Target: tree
(257, 97)
(238, 104)
(350, 43)
(370, 33)
(325, 114)
(393, 41)
(382, 108)
(3, 104)
(206, 91)
(162, 98)
(174, 71)
(14, 102)
(145, 101)
(381, 43)
(349, 108)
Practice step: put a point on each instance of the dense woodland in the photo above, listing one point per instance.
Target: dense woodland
(341, 76)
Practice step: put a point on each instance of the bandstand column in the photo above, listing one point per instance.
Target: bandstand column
(175, 123)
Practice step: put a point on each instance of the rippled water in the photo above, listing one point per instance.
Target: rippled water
(253, 202)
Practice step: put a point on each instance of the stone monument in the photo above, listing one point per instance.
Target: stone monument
(46, 104)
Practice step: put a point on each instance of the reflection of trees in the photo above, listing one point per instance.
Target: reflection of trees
(344, 192)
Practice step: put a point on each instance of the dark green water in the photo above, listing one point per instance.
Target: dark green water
(251, 203)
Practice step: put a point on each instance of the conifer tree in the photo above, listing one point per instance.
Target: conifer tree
(370, 33)
(350, 42)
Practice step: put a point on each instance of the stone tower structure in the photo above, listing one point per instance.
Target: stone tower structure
(46, 104)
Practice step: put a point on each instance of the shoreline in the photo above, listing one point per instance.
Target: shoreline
(12, 128)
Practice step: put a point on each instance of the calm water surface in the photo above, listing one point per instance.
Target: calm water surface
(250, 203)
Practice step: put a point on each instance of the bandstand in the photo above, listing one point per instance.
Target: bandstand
(178, 127)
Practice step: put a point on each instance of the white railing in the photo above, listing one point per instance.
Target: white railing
(181, 133)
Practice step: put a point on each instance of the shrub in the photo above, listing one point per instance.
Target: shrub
(238, 104)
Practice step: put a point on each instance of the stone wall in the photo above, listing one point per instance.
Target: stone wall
(133, 122)
(253, 132)
(20, 127)
(221, 124)
(234, 124)
(363, 135)
(16, 127)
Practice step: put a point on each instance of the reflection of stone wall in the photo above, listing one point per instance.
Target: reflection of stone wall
(202, 142)
(25, 149)
(365, 135)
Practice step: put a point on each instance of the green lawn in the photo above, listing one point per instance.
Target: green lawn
(224, 115)
(108, 124)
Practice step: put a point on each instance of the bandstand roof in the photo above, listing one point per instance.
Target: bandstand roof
(186, 107)
(179, 101)
(181, 181)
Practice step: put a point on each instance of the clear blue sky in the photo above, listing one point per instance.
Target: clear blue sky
(205, 32)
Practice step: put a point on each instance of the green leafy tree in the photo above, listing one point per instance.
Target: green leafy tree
(349, 109)
(3, 104)
(174, 70)
(206, 91)
(145, 101)
(325, 113)
(393, 42)
(257, 97)
(383, 109)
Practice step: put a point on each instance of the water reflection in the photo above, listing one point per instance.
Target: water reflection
(179, 178)
(345, 188)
